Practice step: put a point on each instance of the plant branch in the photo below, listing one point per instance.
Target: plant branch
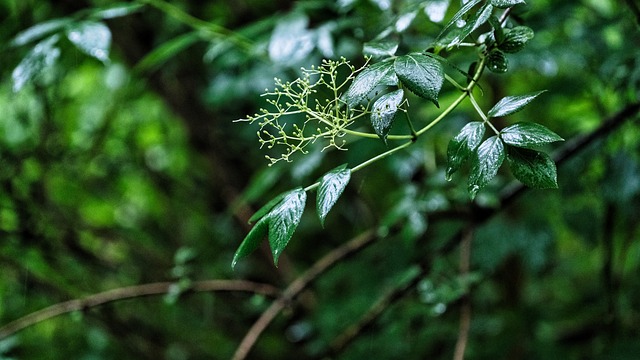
(297, 286)
(131, 292)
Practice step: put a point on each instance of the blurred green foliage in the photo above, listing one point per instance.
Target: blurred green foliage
(130, 170)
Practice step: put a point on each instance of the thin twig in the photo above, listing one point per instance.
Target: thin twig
(465, 308)
(297, 286)
(131, 292)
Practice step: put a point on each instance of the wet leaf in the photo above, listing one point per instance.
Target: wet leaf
(380, 49)
(116, 10)
(267, 207)
(497, 62)
(462, 146)
(39, 30)
(384, 112)
(506, 3)
(485, 164)
(283, 220)
(475, 22)
(368, 80)
(515, 39)
(511, 104)
(92, 38)
(463, 10)
(35, 64)
(421, 74)
(332, 184)
(528, 135)
(291, 40)
(533, 168)
(252, 241)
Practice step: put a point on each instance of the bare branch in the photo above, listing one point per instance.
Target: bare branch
(131, 292)
(297, 286)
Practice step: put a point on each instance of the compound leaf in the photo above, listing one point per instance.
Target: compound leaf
(511, 104)
(332, 184)
(462, 146)
(533, 168)
(421, 74)
(485, 164)
(384, 112)
(528, 135)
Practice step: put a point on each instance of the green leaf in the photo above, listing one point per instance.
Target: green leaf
(35, 64)
(497, 62)
(506, 3)
(511, 104)
(462, 146)
(528, 135)
(533, 168)
(252, 241)
(475, 22)
(485, 164)
(421, 74)
(291, 40)
(39, 30)
(367, 81)
(332, 184)
(116, 10)
(92, 38)
(384, 112)
(166, 51)
(267, 207)
(283, 220)
(463, 10)
(515, 39)
(380, 49)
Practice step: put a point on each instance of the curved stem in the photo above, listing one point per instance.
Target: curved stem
(130, 292)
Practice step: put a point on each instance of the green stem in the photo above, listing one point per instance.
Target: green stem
(482, 114)
(200, 25)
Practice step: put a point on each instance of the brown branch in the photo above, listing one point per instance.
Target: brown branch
(479, 216)
(297, 286)
(465, 308)
(131, 292)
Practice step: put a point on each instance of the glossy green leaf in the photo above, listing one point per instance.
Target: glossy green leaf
(368, 80)
(462, 146)
(511, 104)
(528, 135)
(421, 74)
(332, 184)
(380, 49)
(36, 63)
(283, 220)
(92, 38)
(116, 10)
(533, 168)
(515, 39)
(506, 3)
(267, 207)
(463, 10)
(279, 219)
(384, 112)
(485, 164)
(497, 62)
(475, 22)
(252, 241)
(40, 30)
(291, 40)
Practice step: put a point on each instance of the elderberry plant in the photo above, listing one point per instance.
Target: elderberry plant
(302, 113)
